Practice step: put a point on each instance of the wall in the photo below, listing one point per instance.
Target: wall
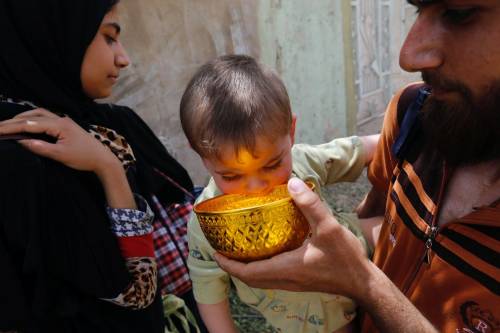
(378, 31)
(303, 40)
(314, 46)
(167, 41)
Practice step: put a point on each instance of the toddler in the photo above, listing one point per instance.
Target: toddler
(236, 115)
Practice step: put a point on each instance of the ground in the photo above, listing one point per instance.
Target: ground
(342, 198)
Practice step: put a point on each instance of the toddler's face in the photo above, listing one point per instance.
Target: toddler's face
(251, 173)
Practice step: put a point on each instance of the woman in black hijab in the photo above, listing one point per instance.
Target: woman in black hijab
(58, 255)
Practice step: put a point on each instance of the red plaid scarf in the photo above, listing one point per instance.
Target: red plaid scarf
(170, 240)
(171, 249)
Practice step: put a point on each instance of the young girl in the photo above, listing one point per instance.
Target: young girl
(75, 243)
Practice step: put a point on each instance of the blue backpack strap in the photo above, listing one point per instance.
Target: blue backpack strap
(409, 106)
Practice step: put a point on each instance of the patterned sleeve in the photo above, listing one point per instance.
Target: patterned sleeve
(134, 230)
(210, 283)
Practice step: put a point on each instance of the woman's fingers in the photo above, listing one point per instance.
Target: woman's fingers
(73, 146)
(45, 125)
(40, 112)
(41, 148)
(33, 121)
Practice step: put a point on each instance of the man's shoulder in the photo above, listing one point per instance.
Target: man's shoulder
(405, 97)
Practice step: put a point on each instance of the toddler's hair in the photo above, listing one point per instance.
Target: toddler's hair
(233, 99)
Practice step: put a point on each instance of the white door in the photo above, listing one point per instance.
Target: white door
(378, 31)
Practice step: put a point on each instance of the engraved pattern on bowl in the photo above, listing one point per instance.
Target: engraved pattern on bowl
(250, 227)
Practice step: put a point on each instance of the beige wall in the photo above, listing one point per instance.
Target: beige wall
(379, 29)
(312, 44)
(167, 40)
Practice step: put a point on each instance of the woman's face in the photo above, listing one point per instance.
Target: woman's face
(104, 59)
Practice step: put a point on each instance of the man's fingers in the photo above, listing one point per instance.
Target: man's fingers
(233, 267)
(264, 273)
(249, 273)
(308, 202)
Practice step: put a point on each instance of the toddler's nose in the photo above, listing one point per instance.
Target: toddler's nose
(257, 185)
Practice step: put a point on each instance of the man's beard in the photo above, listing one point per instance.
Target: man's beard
(465, 130)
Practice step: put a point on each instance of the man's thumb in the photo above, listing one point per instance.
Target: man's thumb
(308, 202)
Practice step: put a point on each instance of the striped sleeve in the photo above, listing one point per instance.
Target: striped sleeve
(382, 166)
(133, 228)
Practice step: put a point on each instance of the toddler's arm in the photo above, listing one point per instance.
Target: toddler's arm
(369, 145)
(346, 329)
(217, 317)
(210, 283)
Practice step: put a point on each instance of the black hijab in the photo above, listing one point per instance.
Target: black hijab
(43, 45)
(57, 254)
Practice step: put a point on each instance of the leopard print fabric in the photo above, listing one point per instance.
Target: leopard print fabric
(5, 99)
(141, 292)
(129, 223)
(115, 142)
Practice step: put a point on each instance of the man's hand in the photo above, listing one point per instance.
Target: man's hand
(332, 260)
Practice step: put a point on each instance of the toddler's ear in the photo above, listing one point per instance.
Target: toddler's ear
(205, 163)
(292, 127)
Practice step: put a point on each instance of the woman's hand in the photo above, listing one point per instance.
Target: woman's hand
(75, 147)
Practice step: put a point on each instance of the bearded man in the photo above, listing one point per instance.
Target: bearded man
(434, 210)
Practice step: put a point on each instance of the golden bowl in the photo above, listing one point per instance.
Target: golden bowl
(252, 227)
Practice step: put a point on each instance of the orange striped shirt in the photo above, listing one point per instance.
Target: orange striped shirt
(450, 273)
